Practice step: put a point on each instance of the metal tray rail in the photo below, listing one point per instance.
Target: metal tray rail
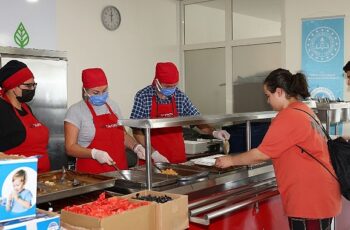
(203, 211)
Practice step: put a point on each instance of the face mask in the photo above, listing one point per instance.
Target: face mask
(27, 95)
(165, 91)
(168, 91)
(98, 100)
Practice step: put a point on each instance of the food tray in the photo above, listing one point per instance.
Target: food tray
(208, 163)
(51, 186)
(185, 173)
(138, 178)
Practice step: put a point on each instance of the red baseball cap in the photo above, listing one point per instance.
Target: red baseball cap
(167, 73)
(93, 77)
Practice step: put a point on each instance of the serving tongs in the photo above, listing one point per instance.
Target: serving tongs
(63, 179)
(118, 171)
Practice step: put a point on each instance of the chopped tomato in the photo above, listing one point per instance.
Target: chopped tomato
(103, 207)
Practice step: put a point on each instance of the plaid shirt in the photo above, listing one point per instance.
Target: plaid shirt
(143, 103)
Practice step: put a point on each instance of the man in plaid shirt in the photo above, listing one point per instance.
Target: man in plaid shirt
(163, 99)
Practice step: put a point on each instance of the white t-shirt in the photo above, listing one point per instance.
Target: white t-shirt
(80, 116)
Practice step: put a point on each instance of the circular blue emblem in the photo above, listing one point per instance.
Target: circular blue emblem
(322, 44)
(53, 226)
(322, 92)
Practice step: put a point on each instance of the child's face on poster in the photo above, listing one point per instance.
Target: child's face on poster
(18, 184)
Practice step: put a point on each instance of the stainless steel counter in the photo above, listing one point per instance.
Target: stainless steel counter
(222, 194)
(148, 124)
(196, 120)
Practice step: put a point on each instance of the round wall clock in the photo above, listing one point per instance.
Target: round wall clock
(110, 17)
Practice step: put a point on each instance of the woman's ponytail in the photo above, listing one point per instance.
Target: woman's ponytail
(295, 85)
(299, 86)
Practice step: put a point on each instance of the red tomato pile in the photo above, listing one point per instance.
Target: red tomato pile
(103, 207)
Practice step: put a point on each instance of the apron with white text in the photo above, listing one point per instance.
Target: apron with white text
(167, 141)
(109, 137)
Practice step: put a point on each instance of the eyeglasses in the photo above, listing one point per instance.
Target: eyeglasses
(30, 85)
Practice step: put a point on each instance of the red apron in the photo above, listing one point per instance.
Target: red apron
(109, 137)
(168, 141)
(36, 141)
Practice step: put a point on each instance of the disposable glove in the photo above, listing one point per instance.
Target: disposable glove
(221, 134)
(157, 157)
(140, 151)
(101, 156)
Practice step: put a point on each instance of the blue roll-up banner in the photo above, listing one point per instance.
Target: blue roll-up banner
(323, 56)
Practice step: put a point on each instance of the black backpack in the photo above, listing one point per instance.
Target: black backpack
(339, 150)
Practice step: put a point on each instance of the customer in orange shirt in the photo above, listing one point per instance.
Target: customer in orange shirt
(310, 195)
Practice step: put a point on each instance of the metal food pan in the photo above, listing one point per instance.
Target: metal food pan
(51, 186)
(185, 172)
(138, 177)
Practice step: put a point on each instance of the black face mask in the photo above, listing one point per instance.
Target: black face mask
(27, 95)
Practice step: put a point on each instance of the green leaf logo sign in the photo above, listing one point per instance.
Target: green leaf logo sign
(21, 36)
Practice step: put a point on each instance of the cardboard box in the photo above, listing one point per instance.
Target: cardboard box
(13, 169)
(42, 221)
(139, 218)
(172, 215)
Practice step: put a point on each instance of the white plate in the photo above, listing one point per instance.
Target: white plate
(206, 161)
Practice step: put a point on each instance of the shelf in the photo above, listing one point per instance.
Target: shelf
(196, 120)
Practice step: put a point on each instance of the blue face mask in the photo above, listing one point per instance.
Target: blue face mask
(168, 91)
(98, 100)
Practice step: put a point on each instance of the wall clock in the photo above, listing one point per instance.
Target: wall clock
(110, 17)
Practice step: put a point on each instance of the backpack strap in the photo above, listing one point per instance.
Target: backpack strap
(312, 156)
(318, 123)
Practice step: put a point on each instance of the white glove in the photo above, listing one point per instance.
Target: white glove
(140, 151)
(221, 134)
(101, 156)
(157, 157)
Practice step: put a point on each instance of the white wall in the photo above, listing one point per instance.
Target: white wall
(313, 8)
(38, 18)
(147, 34)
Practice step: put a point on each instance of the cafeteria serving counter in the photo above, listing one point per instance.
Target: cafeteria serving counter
(243, 197)
(148, 124)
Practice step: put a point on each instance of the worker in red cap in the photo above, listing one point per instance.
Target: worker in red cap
(163, 99)
(20, 132)
(91, 131)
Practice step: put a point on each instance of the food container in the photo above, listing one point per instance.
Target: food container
(172, 215)
(137, 177)
(193, 147)
(138, 218)
(184, 172)
(53, 185)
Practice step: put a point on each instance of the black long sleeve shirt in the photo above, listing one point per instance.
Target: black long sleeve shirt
(12, 131)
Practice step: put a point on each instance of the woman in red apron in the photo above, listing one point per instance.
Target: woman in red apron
(93, 121)
(30, 135)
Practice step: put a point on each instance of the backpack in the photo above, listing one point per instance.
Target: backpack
(339, 151)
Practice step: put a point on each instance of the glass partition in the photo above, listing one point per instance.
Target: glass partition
(251, 65)
(205, 79)
(256, 18)
(205, 22)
